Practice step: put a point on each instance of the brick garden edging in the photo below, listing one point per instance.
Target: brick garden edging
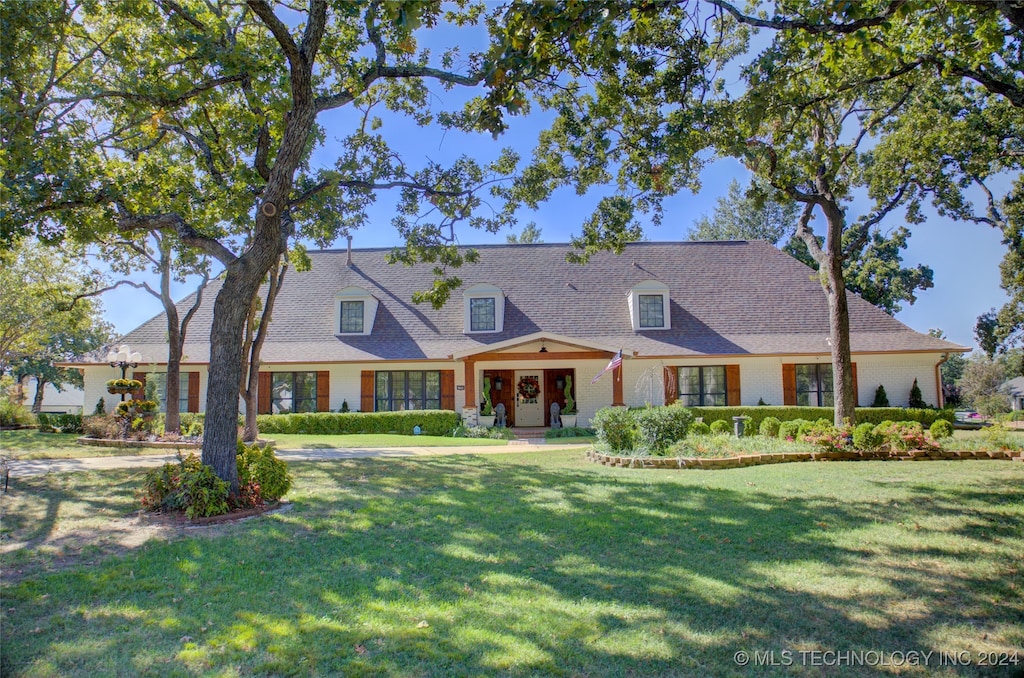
(786, 457)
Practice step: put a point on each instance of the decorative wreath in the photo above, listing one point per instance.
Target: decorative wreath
(528, 388)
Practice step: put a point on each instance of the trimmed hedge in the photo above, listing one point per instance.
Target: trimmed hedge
(431, 422)
(873, 415)
(62, 423)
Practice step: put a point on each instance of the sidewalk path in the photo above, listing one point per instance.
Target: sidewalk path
(23, 468)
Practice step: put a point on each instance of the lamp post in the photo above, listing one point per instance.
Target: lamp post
(124, 358)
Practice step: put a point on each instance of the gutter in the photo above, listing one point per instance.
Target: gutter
(938, 380)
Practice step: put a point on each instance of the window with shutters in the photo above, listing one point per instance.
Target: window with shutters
(814, 386)
(399, 390)
(702, 386)
(159, 383)
(292, 392)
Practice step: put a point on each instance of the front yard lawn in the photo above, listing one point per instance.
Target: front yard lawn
(527, 564)
(300, 441)
(30, 444)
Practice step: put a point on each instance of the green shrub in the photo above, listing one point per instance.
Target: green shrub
(770, 427)
(1001, 437)
(431, 422)
(941, 429)
(615, 428)
(657, 428)
(875, 415)
(916, 400)
(570, 432)
(486, 432)
(104, 426)
(259, 466)
(15, 414)
(699, 428)
(903, 435)
(789, 430)
(824, 435)
(101, 407)
(866, 438)
(192, 424)
(60, 423)
(881, 399)
(188, 486)
(719, 426)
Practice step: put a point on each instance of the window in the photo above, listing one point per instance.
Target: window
(814, 386)
(652, 311)
(407, 390)
(292, 392)
(351, 317)
(481, 315)
(702, 386)
(159, 381)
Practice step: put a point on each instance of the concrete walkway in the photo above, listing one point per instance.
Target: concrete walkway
(22, 468)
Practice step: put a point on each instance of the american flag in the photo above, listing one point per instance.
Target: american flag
(615, 362)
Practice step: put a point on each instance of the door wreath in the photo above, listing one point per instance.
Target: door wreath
(528, 388)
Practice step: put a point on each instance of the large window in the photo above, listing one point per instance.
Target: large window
(814, 386)
(407, 390)
(351, 317)
(652, 311)
(292, 392)
(702, 386)
(159, 381)
(481, 314)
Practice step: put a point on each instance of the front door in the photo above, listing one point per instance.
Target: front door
(529, 398)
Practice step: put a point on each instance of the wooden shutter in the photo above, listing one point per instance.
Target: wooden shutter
(788, 384)
(671, 385)
(366, 391)
(447, 389)
(193, 391)
(732, 385)
(323, 391)
(141, 393)
(856, 398)
(263, 393)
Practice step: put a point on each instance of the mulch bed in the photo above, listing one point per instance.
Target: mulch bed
(179, 519)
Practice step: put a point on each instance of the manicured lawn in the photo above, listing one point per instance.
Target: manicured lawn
(30, 444)
(298, 441)
(539, 564)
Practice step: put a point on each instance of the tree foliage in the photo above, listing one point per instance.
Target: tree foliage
(747, 215)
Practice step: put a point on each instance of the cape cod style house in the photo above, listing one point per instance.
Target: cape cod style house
(705, 323)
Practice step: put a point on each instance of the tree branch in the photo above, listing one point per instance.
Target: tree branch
(185, 232)
(280, 32)
(809, 27)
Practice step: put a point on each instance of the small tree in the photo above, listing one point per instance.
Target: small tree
(881, 399)
(916, 400)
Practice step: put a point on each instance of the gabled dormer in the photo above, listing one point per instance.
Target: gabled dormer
(484, 309)
(354, 311)
(649, 306)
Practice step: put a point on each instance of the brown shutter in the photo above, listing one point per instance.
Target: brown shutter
(323, 391)
(788, 384)
(732, 385)
(447, 389)
(263, 393)
(856, 398)
(366, 391)
(671, 385)
(141, 393)
(193, 391)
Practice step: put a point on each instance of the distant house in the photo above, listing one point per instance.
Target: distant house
(1015, 389)
(704, 323)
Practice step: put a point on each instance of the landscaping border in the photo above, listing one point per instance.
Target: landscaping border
(709, 463)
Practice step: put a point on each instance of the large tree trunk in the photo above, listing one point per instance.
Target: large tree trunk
(37, 403)
(255, 336)
(172, 419)
(838, 316)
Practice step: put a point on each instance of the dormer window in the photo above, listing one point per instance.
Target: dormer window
(648, 306)
(354, 311)
(484, 309)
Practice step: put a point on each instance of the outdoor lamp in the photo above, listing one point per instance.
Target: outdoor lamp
(497, 383)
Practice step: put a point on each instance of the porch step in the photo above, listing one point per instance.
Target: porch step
(528, 435)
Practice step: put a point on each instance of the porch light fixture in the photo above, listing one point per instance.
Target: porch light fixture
(543, 348)
(559, 383)
(124, 358)
(498, 383)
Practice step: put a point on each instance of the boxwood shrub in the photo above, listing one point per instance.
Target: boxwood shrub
(658, 428)
(59, 423)
(616, 430)
(874, 415)
(431, 422)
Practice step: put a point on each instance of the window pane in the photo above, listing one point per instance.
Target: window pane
(415, 387)
(690, 400)
(398, 395)
(825, 378)
(281, 392)
(689, 382)
(714, 383)
(803, 399)
(351, 317)
(481, 314)
(304, 398)
(652, 312)
(806, 378)
(714, 400)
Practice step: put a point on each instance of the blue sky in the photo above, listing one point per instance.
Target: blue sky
(965, 257)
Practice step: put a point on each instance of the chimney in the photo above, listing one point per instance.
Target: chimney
(349, 261)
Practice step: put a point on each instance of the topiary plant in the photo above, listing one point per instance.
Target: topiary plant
(941, 429)
(916, 400)
(881, 399)
(699, 428)
(770, 427)
(719, 426)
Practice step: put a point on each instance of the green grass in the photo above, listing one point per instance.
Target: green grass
(526, 564)
(29, 444)
(299, 441)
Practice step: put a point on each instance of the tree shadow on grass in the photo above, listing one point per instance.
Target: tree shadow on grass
(469, 566)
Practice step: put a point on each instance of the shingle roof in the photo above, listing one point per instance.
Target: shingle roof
(743, 297)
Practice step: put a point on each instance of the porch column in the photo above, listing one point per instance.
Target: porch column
(617, 400)
(469, 378)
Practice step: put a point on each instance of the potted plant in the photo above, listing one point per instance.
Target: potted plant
(123, 386)
(486, 409)
(569, 413)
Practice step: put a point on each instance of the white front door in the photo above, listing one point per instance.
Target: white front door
(529, 398)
